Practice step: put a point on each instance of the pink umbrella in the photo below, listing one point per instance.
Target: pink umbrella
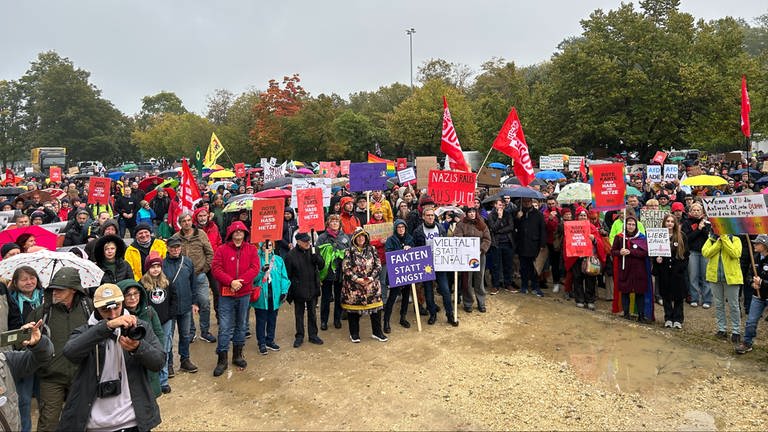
(273, 193)
(304, 171)
(43, 237)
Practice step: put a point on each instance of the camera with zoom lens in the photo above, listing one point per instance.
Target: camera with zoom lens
(134, 333)
(108, 388)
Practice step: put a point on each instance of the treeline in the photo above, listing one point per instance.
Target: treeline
(636, 79)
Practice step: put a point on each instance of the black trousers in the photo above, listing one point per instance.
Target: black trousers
(298, 309)
(354, 324)
(393, 292)
(331, 291)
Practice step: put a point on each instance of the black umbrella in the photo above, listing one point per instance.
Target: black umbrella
(521, 192)
(169, 173)
(512, 180)
(82, 176)
(277, 183)
(35, 174)
(11, 191)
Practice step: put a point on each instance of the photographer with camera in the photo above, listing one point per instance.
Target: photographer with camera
(111, 390)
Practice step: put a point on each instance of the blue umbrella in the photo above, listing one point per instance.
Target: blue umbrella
(762, 180)
(752, 172)
(521, 192)
(115, 175)
(497, 165)
(550, 175)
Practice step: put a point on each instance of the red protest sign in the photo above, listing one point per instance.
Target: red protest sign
(401, 163)
(98, 190)
(452, 187)
(576, 239)
(311, 215)
(240, 170)
(608, 186)
(660, 157)
(267, 219)
(54, 173)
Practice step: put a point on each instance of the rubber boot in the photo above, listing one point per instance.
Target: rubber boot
(237, 357)
(404, 322)
(221, 365)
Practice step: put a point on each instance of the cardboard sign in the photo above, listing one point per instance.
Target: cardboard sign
(576, 239)
(452, 187)
(267, 220)
(54, 173)
(456, 253)
(344, 165)
(308, 183)
(652, 218)
(489, 176)
(99, 190)
(240, 170)
(401, 163)
(574, 163)
(310, 210)
(653, 173)
(659, 157)
(380, 231)
(737, 214)
(734, 156)
(406, 176)
(424, 164)
(405, 267)
(551, 162)
(73, 170)
(670, 173)
(764, 169)
(367, 176)
(608, 186)
(658, 242)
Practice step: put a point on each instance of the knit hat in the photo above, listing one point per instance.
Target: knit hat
(677, 206)
(107, 295)
(152, 259)
(143, 227)
(7, 248)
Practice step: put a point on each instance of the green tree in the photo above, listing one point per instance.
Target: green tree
(377, 107)
(234, 132)
(153, 107)
(12, 120)
(310, 132)
(276, 105)
(173, 136)
(218, 106)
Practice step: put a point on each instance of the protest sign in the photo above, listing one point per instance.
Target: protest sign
(410, 266)
(574, 163)
(658, 242)
(273, 161)
(652, 218)
(380, 231)
(28, 170)
(240, 170)
(267, 220)
(73, 170)
(576, 239)
(310, 214)
(734, 156)
(54, 173)
(670, 173)
(406, 176)
(401, 163)
(424, 164)
(660, 157)
(608, 186)
(489, 176)
(308, 183)
(452, 187)
(344, 165)
(99, 190)
(653, 173)
(737, 214)
(365, 176)
(551, 162)
(456, 253)
(271, 173)
(264, 163)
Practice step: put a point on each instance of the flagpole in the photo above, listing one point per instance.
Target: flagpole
(482, 165)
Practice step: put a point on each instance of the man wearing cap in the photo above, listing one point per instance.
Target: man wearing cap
(66, 307)
(303, 266)
(111, 389)
(760, 294)
(678, 210)
(142, 245)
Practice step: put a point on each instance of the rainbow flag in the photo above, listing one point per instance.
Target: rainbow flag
(372, 158)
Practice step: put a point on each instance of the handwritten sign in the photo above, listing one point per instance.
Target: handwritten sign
(380, 231)
(310, 214)
(344, 165)
(309, 183)
(658, 242)
(653, 173)
(608, 186)
(551, 162)
(406, 176)
(652, 218)
(267, 220)
(405, 267)
(576, 239)
(99, 190)
(574, 163)
(456, 253)
(660, 157)
(670, 173)
(737, 214)
(272, 173)
(424, 164)
(367, 176)
(452, 187)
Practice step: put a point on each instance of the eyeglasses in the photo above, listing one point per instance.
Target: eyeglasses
(132, 295)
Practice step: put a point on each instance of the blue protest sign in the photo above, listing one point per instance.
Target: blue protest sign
(405, 267)
(365, 176)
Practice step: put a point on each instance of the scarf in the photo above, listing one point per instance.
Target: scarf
(35, 301)
(331, 232)
(268, 274)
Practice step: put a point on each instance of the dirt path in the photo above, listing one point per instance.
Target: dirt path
(527, 364)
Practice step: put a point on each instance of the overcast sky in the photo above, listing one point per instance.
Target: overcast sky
(191, 47)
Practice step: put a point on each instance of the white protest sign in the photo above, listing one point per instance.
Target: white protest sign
(658, 242)
(670, 173)
(312, 182)
(652, 218)
(654, 173)
(574, 163)
(406, 176)
(456, 253)
(263, 162)
(271, 173)
(740, 206)
(551, 162)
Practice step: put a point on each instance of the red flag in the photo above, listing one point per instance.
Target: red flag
(583, 170)
(188, 194)
(248, 180)
(10, 177)
(511, 142)
(745, 108)
(449, 144)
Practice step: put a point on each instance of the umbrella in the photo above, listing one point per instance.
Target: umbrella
(44, 196)
(151, 194)
(521, 192)
(306, 171)
(511, 181)
(538, 182)
(168, 183)
(35, 174)
(240, 202)
(752, 172)
(226, 183)
(575, 192)
(631, 190)
(550, 175)
(276, 183)
(762, 180)
(116, 175)
(82, 176)
(46, 263)
(222, 174)
(11, 191)
(150, 183)
(43, 237)
(56, 193)
(704, 180)
(677, 158)
(273, 193)
(169, 173)
(497, 165)
(440, 210)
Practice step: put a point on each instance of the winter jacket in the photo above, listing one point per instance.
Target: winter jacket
(15, 365)
(634, 276)
(419, 236)
(76, 234)
(349, 221)
(502, 228)
(231, 262)
(94, 235)
(331, 247)
(670, 273)
(160, 207)
(211, 230)
(696, 233)
(289, 228)
(272, 286)
(145, 216)
(395, 242)
(727, 249)
(386, 207)
(127, 205)
(181, 274)
(531, 233)
(121, 268)
(135, 256)
(361, 262)
(197, 247)
(303, 268)
(474, 228)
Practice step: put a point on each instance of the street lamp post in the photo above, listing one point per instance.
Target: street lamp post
(410, 33)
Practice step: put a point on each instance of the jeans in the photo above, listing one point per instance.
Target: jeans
(699, 289)
(331, 291)
(203, 294)
(232, 313)
(584, 286)
(298, 312)
(721, 291)
(25, 388)
(167, 347)
(445, 292)
(503, 259)
(756, 309)
(266, 322)
(183, 322)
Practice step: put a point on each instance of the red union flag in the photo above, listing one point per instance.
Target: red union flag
(449, 144)
(188, 192)
(745, 108)
(511, 142)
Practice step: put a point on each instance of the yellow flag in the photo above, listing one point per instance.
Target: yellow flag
(215, 149)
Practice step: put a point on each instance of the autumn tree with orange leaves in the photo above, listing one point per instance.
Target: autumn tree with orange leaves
(276, 105)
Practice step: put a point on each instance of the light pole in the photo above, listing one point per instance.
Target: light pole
(410, 33)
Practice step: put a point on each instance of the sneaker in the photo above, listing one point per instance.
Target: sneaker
(247, 335)
(166, 389)
(694, 304)
(194, 337)
(188, 366)
(263, 349)
(591, 306)
(539, 293)
(677, 325)
(354, 339)
(706, 306)
(660, 301)
(297, 343)
(721, 334)
(481, 309)
(380, 338)
(273, 346)
(668, 324)
(208, 337)
(579, 305)
(556, 289)
(171, 372)
(493, 291)
(743, 348)
(735, 338)
(315, 340)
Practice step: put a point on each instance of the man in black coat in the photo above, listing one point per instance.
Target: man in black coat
(126, 207)
(501, 223)
(531, 239)
(303, 265)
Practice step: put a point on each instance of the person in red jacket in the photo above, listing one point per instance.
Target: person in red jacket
(235, 266)
(349, 221)
(203, 221)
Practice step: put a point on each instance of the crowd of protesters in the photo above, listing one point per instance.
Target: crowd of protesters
(164, 267)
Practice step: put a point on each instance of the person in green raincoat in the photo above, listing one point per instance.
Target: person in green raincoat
(331, 244)
(274, 282)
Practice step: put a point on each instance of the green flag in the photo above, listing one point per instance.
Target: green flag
(199, 163)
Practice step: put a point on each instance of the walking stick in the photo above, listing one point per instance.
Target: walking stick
(624, 240)
(754, 267)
